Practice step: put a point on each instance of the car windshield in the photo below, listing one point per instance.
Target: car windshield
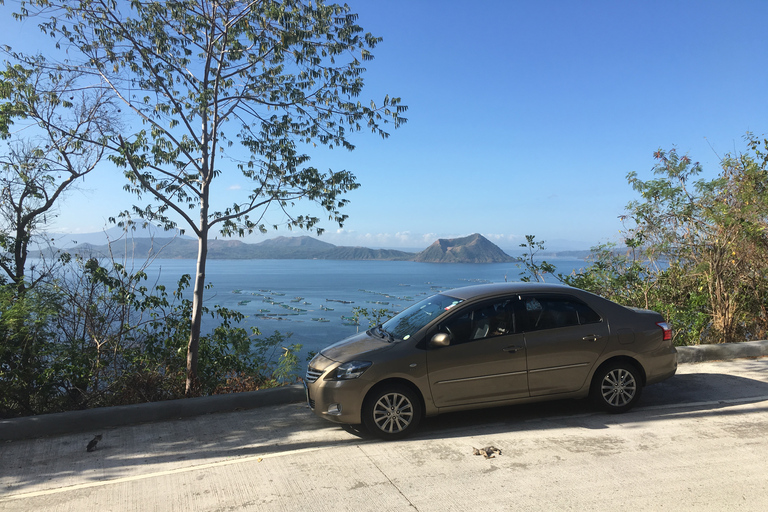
(407, 323)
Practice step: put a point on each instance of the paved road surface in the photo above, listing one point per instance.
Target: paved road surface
(696, 442)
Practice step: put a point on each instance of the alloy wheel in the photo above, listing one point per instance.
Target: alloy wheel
(618, 387)
(393, 412)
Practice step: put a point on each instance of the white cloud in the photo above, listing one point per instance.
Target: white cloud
(429, 238)
(505, 239)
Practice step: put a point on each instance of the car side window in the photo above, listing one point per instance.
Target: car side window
(486, 320)
(542, 312)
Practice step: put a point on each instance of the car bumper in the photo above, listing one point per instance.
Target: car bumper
(660, 365)
(337, 401)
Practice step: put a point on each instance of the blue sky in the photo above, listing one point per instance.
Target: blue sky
(524, 117)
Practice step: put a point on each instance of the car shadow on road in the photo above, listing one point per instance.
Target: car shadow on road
(706, 393)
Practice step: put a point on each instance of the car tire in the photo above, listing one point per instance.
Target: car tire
(616, 387)
(392, 411)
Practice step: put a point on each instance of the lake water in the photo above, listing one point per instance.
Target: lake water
(313, 299)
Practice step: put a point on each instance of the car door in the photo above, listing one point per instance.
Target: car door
(564, 337)
(485, 360)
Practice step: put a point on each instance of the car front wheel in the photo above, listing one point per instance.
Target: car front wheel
(392, 412)
(616, 387)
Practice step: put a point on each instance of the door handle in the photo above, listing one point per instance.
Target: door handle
(512, 349)
(591, 337)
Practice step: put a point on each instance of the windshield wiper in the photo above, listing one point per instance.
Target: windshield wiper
(379, 332)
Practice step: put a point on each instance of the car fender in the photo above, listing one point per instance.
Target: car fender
(419, 384)
(613, 355)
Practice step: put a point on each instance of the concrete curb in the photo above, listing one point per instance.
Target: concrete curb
(91, 420)
(722, 351)
(95, 419)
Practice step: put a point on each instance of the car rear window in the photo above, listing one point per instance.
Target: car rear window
(554, 312)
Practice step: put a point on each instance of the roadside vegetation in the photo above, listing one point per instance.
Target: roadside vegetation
(96, 333)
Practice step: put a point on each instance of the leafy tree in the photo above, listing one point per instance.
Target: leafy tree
(47, 154)
(279, 77)
(631, 277)
(709, 228)
(100, 335)
(536, 270)
(46, 123)
(615, 274)
(27, 381)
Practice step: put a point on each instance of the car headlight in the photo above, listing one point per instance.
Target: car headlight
(350, 370)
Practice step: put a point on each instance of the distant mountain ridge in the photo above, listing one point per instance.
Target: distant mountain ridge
(471, 249)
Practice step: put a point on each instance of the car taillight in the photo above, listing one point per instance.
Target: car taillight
(667, 331)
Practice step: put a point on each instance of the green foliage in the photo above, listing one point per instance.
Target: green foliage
(374, 316)
(532, 268)
(227, 352)
(629, 278)
(613, 275)
(99, 335)
(29, 361)
(715, 230)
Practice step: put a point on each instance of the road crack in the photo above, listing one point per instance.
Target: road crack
(373, 462)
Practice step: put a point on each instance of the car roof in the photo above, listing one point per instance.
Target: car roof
(493, 289)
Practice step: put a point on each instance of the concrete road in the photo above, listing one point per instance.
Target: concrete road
(696, 442)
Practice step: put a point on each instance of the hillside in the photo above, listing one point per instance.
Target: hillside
(472, 249)
(364, 253)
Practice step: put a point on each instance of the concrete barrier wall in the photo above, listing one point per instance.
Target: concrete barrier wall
(90, 420)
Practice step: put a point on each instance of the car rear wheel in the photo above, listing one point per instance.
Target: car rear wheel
(392, 412)
(616, 387)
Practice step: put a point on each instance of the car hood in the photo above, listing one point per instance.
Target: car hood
(353, 347)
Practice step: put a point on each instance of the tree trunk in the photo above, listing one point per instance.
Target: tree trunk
(193, 347)
(20, 254)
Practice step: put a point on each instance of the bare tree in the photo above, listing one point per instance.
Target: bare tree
(58, 137)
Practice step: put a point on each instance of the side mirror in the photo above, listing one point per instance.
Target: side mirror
(440, 339)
